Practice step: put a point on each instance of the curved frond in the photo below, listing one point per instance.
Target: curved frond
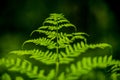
(23, 66)
(67, 25)
(54, 23)
(86, 65)
(48, 27)
(24, 52)
(50, 34)
(82, 47)
(76, 50)
(42, 41)
(64, 57)
(44, 57)
(63, 40)
(100, 45)
(115, 71)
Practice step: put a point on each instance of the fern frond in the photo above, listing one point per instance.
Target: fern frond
(115, 68)
(49, 57)
(100, 45)
(44, 57)
(80, 33)
(43, 27)
(24, 66)
(53, 33)
(48, 27)
(63, 21)
(67, 25)
(63, 40)
(24, 52)
(78, 49)
(71, 52)
(43, 42)
(50, 22)
(64, 57)
(115, 71)
(57, 22)
(86, 65)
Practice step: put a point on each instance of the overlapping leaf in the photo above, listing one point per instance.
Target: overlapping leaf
(43, 42)
(23, 66)
(44, 57)
(86, 65)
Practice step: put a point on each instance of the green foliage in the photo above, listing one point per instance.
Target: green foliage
(85, 66)
(61, 48)
(24, 66)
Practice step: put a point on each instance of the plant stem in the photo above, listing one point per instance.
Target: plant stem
(57, 69)
(57, 60)
(57, 53)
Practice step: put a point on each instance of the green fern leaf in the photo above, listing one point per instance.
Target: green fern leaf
(23, 66)
(86, 65)
(45, 57)
(66, 25)
(100, 45)
(42, 41)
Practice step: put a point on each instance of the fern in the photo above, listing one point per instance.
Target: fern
(83, 67)
(61, 48)
(42, 41)
(24, 66)
(64, 57)
(86, 65)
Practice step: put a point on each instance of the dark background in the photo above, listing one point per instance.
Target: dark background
(98, 18)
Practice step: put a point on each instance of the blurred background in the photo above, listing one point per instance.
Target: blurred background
(99, 18)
